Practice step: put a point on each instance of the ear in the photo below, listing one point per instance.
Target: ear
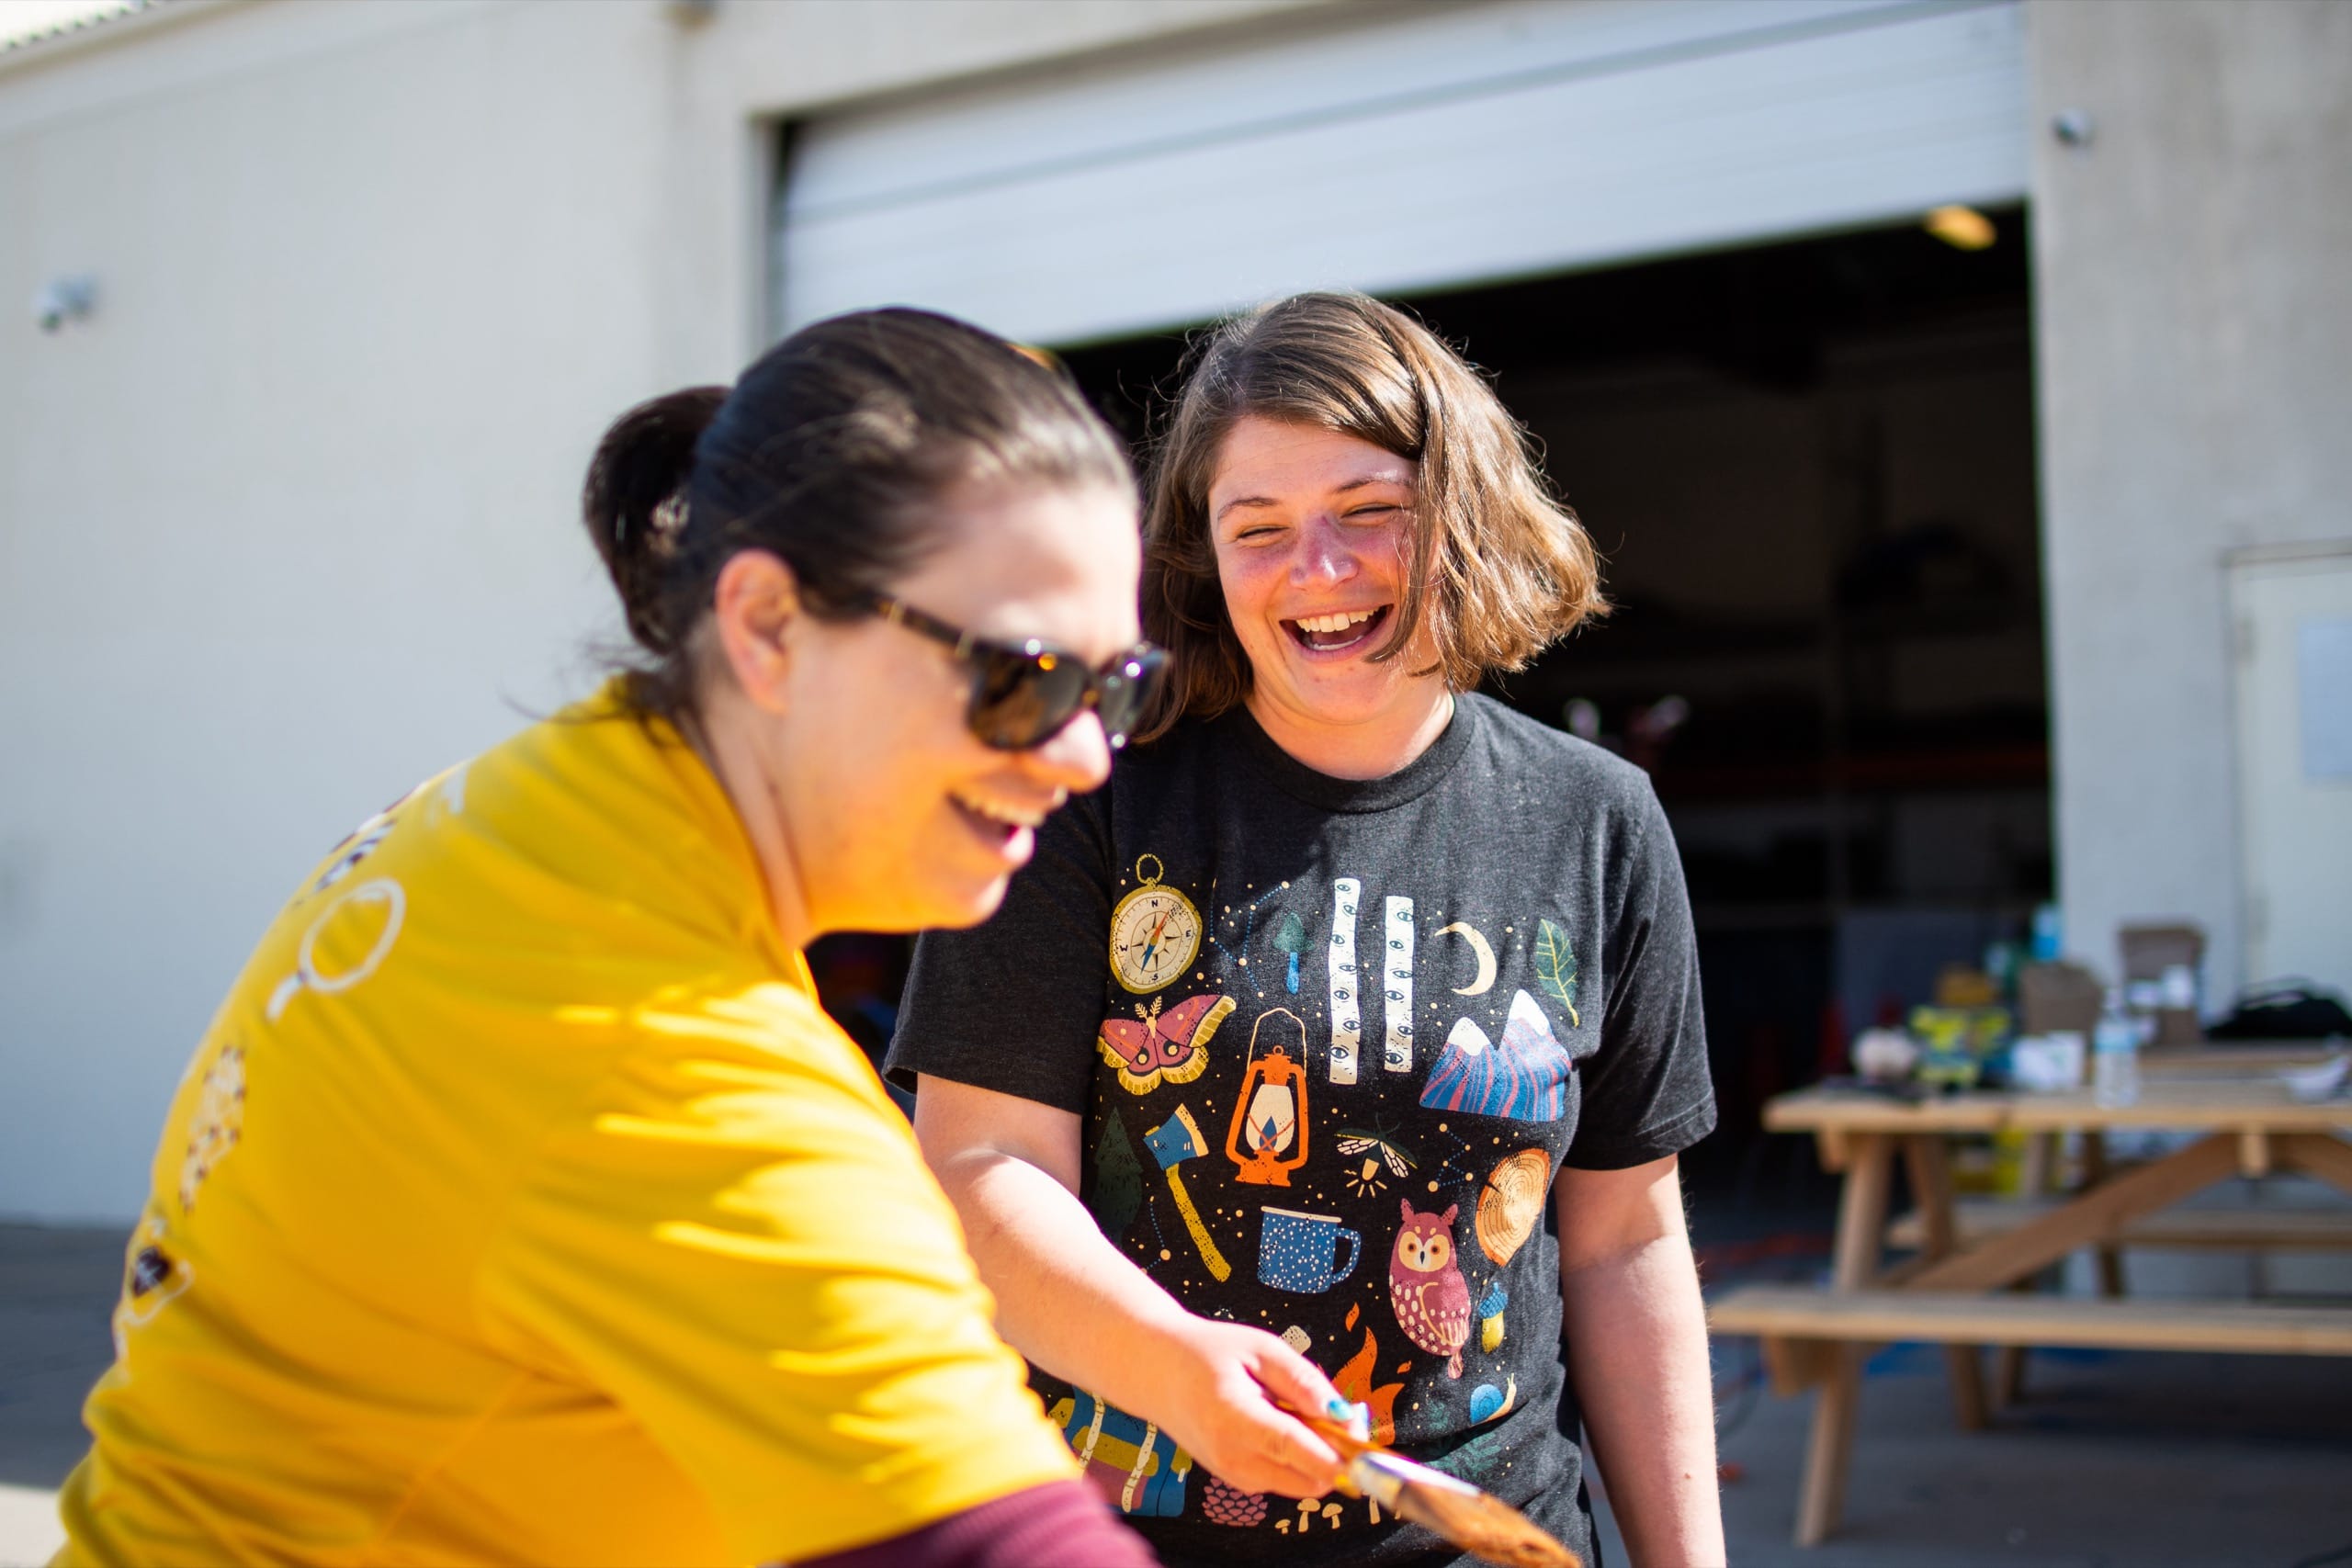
(755, 605)
(1450, 1213)
(1406, 1204)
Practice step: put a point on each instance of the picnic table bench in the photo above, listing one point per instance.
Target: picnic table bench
(1955, 1289)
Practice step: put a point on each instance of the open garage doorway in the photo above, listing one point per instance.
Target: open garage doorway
(1810, 468)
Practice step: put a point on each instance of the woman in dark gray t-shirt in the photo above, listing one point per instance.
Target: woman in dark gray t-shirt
(1346, 1041)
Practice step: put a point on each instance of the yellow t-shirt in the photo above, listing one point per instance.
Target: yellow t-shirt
(521, 1205)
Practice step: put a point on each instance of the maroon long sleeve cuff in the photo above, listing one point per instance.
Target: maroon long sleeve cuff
(1063, 1524)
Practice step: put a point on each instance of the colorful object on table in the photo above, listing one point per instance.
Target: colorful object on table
(1885, 1055)
(1957, 1043)
(1426, 1289)
(2048, 934)
(1511, 1203)
(1525, 1078)
(1172, 1142)
(1490, 1313)
(2048, 1063)
(1130, 1460)
(1153, 1047)
(1958, 985)
(1299, 1252)
(1268, 1139)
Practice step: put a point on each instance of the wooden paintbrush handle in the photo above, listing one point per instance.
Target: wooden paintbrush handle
(1337, 1436)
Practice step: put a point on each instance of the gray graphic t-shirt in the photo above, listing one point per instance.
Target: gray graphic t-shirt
(1332, 1041)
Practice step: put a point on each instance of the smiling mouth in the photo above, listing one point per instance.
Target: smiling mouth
(1337, 631)
(998, 822)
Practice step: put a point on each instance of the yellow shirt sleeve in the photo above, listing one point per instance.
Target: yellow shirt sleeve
(736, 1239)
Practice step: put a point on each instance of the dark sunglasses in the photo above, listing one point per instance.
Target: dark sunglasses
(1024, 693)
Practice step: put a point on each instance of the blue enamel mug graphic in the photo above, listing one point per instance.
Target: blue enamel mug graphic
(1298, 1252)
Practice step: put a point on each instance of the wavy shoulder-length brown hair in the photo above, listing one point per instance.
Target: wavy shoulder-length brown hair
(1497, 567)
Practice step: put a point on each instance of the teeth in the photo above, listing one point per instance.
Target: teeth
(1010, 815)
(1335, 622)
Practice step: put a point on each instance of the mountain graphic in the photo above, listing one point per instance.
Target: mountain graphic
(1525, 1078)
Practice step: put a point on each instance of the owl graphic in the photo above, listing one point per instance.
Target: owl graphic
(1426, 1289)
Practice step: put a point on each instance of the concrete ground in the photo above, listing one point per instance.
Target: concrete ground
(56, 1288)
(2114, 1460)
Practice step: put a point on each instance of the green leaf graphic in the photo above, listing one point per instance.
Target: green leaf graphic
(1555, 967)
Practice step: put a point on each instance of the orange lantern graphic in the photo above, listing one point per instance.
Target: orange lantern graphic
(1269, 1136)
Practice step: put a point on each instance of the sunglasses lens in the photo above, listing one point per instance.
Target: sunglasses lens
(1020, 701)
(1127, 691)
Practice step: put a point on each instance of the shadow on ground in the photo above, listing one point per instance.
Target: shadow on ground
(57, 1289)
(2114, 1460)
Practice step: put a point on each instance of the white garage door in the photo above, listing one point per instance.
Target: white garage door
(1456, 144)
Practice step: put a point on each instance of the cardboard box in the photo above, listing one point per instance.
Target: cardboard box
(2148, 951)
(2055, 997)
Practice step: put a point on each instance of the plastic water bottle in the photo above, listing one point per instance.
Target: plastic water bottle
(2115, 1055)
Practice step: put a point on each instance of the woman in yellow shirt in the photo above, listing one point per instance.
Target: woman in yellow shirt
(520, 1204)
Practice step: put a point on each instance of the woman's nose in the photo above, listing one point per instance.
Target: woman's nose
(1323, 553)
(1075, 759)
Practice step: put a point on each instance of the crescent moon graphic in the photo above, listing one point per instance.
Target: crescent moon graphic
(1469, 933)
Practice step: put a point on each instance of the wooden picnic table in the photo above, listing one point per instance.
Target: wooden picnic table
(1953, 1289)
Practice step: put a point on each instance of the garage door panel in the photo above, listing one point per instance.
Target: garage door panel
(1847, 115)
(952, 138)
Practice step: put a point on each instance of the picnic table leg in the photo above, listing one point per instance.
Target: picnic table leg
(2321, 1154)
(1861, 1220)
(2036, 1179)
(2110, 1256)
(1925, 1157)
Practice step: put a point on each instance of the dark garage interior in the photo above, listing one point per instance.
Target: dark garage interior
(1810, 468)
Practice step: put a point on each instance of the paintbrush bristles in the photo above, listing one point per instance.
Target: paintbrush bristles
(1484, 1526)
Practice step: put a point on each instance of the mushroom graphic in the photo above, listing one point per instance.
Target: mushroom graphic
(1290, 936)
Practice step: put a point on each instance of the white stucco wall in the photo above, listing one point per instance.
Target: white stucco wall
(289, 522)
(2193, 318)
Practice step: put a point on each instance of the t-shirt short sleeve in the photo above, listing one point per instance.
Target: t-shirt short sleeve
(1646, 1089)
(736, 1239)
(1014, 1003)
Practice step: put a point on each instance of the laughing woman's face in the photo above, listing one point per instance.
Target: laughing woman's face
(1312, 529)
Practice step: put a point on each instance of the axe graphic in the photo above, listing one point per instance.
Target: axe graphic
(1175, 1141)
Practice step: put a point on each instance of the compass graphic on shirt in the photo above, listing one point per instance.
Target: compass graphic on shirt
(1155, 932)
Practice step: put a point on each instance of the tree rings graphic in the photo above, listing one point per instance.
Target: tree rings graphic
(1511, 1203)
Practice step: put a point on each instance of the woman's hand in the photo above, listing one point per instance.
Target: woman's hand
(1080, 1309)
(1223, 1385)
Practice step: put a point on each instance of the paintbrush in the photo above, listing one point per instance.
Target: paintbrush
(1482, 1525)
